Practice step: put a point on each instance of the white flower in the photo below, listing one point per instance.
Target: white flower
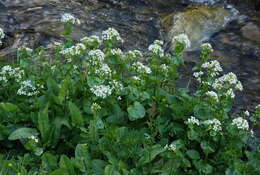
(213, 66)
(66, 17)
(136, 78)
(192, 120)
(228, 79)
(257, 107)
(165, 69)
(214, 124)
(156, 48)
(27, 88)
(142, 69)
(183, 39)
(171, 147)
(25, 49)
(74, 50)
(230, 93)
(213, 95)
(91, 40)
(135, 53)
(198, 75)
(96, 56)
(104, 70)
(111, 34)
(116, 85)
(117, 52)
(34, 138)
(240, 123)
(101, 91)
(7, 73)
(2, 34)
(207, 47)
(247, 113)
(95, 108)
(239, 86)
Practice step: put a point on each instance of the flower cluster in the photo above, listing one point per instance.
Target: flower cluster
(104, 70)
(2, 35)
(7, 73)
(96, 57)
(142, 69)
(229, 79)
(135, 54)
(27, 88)
(240, 123)
(213, 124)
(198, 76)
(171, 147)
(116, 52)
(92, 40)
(116, 85)
(192, 120)
(247, 113)
(165, 69)
(111, 34)
(34, 138)
(25, 49)
(207, 47)
(95, 108)
(212, 66)
(101, 91)
(182, 39)
(69, 18)
(212, 95)
(74, 50)
(156, 48)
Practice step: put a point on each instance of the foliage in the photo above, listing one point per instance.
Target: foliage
(90, 108)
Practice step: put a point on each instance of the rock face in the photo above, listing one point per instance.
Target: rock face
(199, 22)
(22, 19)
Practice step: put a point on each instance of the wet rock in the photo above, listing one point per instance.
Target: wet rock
(251, 31)
(199, 22)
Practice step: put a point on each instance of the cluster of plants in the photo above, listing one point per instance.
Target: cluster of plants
(90, 108)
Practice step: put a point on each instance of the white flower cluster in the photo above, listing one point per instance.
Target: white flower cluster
(116, 85)
(230, 79)
(247, 113)
(257, 107)
(116, 52)
(34, 138)
(95, 108)
(27, 88)
(2, 35)
(136, 78)
(25, 49)
(104, 70)
(135, 53)
(165, 69)
(111, 34)
(91, 40)
(7, 72)
(207, 47)
(101, 91)
(183, 39)
(74, 50)
(213, 124)
(96, 56)
(240, 123)
(213, 95)
(67, 17)
(142, 69)
(230, 93)
(213, 66)
(192, 120)
(198, 76)
(156, 48)
(171, 147)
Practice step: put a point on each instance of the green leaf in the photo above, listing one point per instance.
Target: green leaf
(75, 113)
(150, 154)
(193, 154)
(22, 133)
(110, 170)
(61, 171)
(136, 111)
(63, 90)
(66, 163)
(206, 147)
(9, 107)
(44, 124)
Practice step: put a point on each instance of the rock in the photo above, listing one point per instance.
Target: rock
(199, 22)
(251, 31)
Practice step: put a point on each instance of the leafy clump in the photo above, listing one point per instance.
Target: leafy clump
(91, 108)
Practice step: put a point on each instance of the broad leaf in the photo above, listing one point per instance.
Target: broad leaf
(22, 133)
(136, 111)
(75, 113)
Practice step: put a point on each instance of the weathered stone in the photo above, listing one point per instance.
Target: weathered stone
(251, 31)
